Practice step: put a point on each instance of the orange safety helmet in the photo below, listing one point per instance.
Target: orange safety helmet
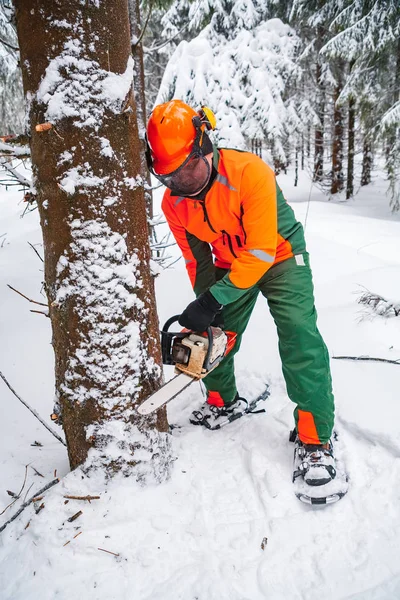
(172, 130)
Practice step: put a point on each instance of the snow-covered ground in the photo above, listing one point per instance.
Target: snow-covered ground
(200, 535)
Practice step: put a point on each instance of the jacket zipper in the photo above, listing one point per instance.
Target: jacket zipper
(238, 241)
(224, 233)
(206, 218)
(229, 242)
(241, 222)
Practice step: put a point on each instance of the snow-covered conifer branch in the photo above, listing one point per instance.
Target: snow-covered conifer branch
(380, 305)
(15, 177)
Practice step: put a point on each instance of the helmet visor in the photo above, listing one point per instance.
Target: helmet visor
(190, 178)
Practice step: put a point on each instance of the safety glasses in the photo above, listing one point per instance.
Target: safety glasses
(190, 178)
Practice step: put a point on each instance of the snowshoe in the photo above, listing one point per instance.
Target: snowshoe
(318, 476)
(214, 417)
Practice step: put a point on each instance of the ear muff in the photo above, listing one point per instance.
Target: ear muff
(206, 117)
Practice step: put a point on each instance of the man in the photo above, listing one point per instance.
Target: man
(226, 203)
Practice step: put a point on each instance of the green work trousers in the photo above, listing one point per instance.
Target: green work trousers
(288, 288)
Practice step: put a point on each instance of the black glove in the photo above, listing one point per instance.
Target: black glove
(219, 319)
(200, 313)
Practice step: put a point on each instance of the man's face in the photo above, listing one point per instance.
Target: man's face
(191, 177)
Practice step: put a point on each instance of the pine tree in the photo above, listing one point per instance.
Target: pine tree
(242, 73)
(85, 156)
(369, 32)
(11, 95)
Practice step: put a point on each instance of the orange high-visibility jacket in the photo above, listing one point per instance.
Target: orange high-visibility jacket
(244, 221)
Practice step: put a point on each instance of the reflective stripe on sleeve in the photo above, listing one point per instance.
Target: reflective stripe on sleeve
(264, 256)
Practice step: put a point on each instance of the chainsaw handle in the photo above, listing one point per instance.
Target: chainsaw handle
(168, 323)
(166, 339)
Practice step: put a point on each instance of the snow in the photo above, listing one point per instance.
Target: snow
(200, 534)
(242, 79)
(86, 92)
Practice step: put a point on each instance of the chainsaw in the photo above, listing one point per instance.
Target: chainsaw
(194, 355)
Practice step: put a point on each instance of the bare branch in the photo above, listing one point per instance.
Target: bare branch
(108, 551)
(33, 411)
(26, 297)
(20, 178)
(137, 42)
(34, 249)
(39, 312)
(88, 498)
(27, 503)
(386, 360)
(17, 496)
(16, 140)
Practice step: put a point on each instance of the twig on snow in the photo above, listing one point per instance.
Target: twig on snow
(17, 496)
(75, 516)
(33, 411)
(371, 358)
(28, 502)
(75, 536)
(379, 305)
(88, 498)
(37, 472)
(27, 491)
(108, 551)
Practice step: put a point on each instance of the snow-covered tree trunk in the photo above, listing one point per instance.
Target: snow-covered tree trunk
(77, 74)
(366, 160)
(319, 129)
(337, 182)
(140, 97)
(350, 149)
(393, 141)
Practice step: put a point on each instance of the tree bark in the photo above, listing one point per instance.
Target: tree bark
(77, 73)
(337, 183)
(140, 97)
(319, 129)
(367, 160)
(350, 150)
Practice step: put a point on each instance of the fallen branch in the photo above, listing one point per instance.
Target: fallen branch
(41, 507)
(88, 498)
(26, 297)
(386, 360)
(108, 551)
(75, 536)
(16, 496)
(33, 411)
(28, 502)
(379, 305)
(37, 472)
(75, 516)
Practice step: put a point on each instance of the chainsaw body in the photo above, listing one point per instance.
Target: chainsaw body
(195, 354)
